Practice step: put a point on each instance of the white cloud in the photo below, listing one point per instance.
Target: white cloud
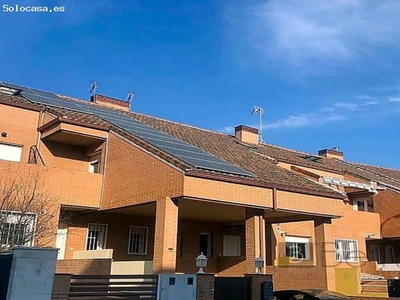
(354, 105)
(394, 99)
(227, 130)
(331, 32)
(336, 112)
(304, 120)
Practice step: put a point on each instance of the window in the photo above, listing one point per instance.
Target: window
(96, 236)
(364, 205)
(374, 253)
(389, 253)
(297, 247)
(16, 228)
(10, 152)
(231, 245)
(138, 240)
(205, 246)
(346, 250)
(94, 163)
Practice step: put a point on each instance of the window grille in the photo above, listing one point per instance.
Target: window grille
(138, 240)
(16, 228)
(96, 237)
(346, 250)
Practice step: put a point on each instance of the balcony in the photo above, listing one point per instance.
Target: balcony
(66, 186)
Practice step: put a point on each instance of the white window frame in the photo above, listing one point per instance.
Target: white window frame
(339, 244)
(142, 229)
(12, 217)
(94, 159)
(97, 246)
(10, 152)
(299, 240)
(365, 201)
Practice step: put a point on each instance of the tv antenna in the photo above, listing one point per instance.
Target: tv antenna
(129, 96)
(93, 87)
(260, 111)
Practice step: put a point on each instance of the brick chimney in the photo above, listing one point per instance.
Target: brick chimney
(110, 102)
(330, 153)
(246, 134)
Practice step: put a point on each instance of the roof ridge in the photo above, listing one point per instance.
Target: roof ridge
(292, 150)
(146, 115)
(386, 168)
(359, 166)
(179, 123)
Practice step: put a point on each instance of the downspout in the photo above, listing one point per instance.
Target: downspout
(40, 123)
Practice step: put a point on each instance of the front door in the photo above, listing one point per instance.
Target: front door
(61, 242)
(172, 287)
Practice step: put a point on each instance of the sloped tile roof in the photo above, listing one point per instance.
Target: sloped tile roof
(254, 159)
(79, 117)
(242, 155)
(19, 101)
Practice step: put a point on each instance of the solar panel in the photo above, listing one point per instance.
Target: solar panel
(187, 153)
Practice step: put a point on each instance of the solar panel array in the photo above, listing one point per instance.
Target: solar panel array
(185, 152)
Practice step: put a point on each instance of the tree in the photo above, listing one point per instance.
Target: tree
(26, 212)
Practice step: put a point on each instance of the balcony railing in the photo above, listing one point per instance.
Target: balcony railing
(35, 157)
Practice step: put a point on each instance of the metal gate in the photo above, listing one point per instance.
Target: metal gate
(394, 287)
(232, 288)
(173, 286)
(5, 268)
(113, 287)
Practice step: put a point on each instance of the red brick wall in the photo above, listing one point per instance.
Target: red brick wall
(133, 176)
(387, 204)
(84, 266)
(117, 235)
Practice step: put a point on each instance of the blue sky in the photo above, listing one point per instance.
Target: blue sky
(326, 72)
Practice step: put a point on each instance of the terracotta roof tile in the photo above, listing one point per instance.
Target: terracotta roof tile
(255, 159)
(241, 155)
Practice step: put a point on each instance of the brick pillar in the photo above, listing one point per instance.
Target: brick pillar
(322, 249)
(256, 280)
(165, 240)
(205, 287)
(255, 238)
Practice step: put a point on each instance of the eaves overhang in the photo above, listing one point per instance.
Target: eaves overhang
(282, 215)
(73, 133)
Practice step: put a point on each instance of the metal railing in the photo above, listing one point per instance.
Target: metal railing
(110, 286)
(35, 157)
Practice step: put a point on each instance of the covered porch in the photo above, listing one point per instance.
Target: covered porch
(166, 236)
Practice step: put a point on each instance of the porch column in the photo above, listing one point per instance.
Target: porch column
(322, 248)
(165, 239)
(255, 238)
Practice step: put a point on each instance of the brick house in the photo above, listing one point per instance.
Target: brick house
(138, 194)
(370, 189)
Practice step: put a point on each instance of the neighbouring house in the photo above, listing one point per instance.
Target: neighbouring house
(138, 194)
(370, 189)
